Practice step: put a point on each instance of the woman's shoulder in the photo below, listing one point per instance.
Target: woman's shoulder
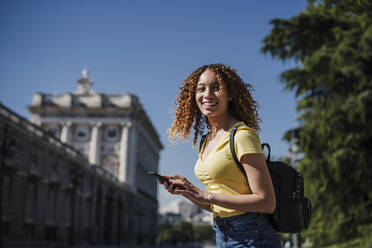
(247, 140)
(244, 130)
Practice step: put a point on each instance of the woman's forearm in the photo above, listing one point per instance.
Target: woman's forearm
(244, 203)
(203, 205)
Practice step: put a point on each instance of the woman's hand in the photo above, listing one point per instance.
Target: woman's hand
(179, 185)
(167, 185)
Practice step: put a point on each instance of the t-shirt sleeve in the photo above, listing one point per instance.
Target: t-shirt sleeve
(247, 141)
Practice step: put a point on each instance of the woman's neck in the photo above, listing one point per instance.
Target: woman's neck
(219, 124)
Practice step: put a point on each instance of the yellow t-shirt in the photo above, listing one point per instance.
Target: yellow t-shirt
(218, 171)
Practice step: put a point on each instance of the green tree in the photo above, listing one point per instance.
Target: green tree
(185, 232)
(204, 233)
(331, 41)
(165, 234)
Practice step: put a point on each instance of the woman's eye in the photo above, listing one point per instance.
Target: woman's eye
(199, 89)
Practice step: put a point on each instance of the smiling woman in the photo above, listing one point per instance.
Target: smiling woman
(215, 98)
(241, 105)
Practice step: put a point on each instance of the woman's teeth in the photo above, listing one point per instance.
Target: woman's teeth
(209, 104)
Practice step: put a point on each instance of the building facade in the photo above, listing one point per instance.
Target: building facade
(180, 210)
(76, 174)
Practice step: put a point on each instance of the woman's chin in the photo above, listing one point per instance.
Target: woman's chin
(210, 114)
(207, 113)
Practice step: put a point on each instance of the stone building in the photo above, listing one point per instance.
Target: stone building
(180, 210)
(76, 174)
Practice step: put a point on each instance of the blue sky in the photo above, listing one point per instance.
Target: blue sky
(146, 48)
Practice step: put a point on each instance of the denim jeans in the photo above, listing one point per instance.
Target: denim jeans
(245, 230)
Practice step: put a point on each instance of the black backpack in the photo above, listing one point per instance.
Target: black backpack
(293, 211)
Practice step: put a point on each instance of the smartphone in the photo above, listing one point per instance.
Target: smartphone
(163, 179)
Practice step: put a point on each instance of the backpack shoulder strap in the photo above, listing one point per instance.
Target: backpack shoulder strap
(232, 149)
(233, 152)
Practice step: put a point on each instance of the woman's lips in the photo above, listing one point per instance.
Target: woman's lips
(209, 105)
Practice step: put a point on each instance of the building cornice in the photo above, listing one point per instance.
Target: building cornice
(90, 100)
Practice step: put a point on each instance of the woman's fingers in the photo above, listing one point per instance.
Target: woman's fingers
(169, 187)
(181, 182)
(177, 184)
(176, 176)
(166, 185)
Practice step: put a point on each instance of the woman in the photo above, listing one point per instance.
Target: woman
(215, 98)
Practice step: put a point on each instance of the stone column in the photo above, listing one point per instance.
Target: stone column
(66, 133)
(95, 144)
(127, 156)
(124, 152)
(132, 177)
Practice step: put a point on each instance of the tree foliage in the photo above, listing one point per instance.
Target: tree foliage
(184, 232)
(331, 41)
(204, 233)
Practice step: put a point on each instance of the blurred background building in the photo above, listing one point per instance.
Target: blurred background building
(180, 210)
(77, 172)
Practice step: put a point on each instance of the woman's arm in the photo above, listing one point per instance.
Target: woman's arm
(203, 205)
(262, 198)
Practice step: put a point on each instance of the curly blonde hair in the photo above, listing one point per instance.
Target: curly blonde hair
(242, 106)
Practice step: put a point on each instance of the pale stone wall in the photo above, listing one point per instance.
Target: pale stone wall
(51, 195)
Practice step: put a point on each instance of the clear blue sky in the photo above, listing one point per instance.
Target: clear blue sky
(145, 48)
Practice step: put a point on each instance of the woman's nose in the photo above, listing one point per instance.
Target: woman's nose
(208, 92)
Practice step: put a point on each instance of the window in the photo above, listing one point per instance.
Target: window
(7, 192)
(111, 133)
(82, 133)
(31, 201)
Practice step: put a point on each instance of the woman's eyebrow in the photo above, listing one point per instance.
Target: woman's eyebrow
(214, 82)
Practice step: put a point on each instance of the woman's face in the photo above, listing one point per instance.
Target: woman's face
(212, 101)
